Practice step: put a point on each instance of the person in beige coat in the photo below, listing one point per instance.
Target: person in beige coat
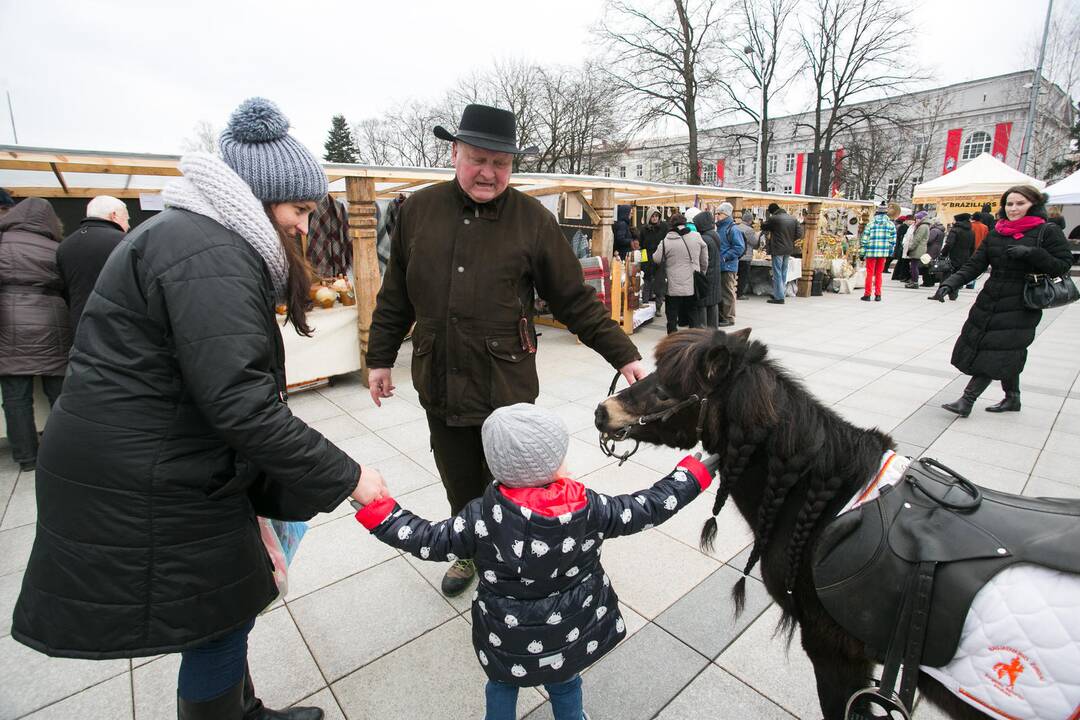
(681, 253)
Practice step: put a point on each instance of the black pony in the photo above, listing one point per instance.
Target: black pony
(788, 462)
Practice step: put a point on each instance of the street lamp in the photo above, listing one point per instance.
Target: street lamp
(1036, 80)
(749, 50)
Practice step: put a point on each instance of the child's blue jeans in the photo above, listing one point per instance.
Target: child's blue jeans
(565, 700)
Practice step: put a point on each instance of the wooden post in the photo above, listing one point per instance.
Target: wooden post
(603, 241)
(809, 248)
(360, 193)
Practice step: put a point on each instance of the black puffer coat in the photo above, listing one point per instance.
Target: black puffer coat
(994, 340)
(544, 609)
(960, 243)
(81, 256)
(170, 435)
(35, 332)
(706, 226)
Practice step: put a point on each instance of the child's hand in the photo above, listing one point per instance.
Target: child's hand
(370, 487)
(711, 461)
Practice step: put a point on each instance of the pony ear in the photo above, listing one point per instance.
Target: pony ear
(740, 335)
(714, 363)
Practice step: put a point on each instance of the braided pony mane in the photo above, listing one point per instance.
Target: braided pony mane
(754, 405)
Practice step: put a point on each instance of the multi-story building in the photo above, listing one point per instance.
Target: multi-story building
(906, 139)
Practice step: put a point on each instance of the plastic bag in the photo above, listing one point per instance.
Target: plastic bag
(281, 539)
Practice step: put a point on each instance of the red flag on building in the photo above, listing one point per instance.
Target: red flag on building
(952, 150)
(800, 165)
(720, 171)
(1002, 131)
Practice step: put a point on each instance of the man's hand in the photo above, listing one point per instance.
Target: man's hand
(380, 385)
(370, 486)
(633, 372)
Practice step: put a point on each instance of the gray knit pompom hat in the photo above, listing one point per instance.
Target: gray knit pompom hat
(257, 145)
(524, 445)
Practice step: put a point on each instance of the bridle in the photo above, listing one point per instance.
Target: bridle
(607, 441)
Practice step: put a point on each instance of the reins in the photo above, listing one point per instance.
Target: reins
(607, 441)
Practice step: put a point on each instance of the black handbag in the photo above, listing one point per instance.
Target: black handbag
(941, 265)
(701, 283)
(1042, 291)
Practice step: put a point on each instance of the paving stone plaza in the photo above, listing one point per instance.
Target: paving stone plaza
(365, 633)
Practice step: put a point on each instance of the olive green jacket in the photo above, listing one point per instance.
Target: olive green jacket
(466, 273)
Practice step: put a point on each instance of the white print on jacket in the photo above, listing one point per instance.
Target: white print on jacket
(539, 548)
(626, 515)
(601, 612)
(496, 514)
(587, 545)
(535, 647)
(554, 619)
(482, 606)
(573, 635)
(489, 575)
(586, 602)
(670, 503)
(568, 545)
(480, 528)
(603, 499)
(591, 647)
(517, 671)
(619, 625)
(680, 476)
(494, 640)
(565, 518)
(518, 547)
(483, 657)
(511, 621)
(1019, 651)
(425, 552)
(404, 532)
(459, 524)
(640, 499)
(526, 512)
(498, 555)
(451, 557)
(572, 571)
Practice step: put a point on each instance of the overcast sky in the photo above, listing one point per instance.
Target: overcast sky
(137, 76)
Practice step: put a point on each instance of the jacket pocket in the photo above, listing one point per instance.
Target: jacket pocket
(423, 366)
(513, 371)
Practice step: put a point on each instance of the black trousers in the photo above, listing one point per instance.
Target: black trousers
(459, 455)
(17, 392)
(743, 286)
(688, 305)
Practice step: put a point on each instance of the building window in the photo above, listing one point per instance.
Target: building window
(640, 171)
(607, 172)
(914, 182)
(787, 189)
(676, 170)
(708, 174)
(789, 162)
(664, 170)
(892, 188)
(622, 171)
(922, 147)
(772, 163)
(741, 167)
(976, 144)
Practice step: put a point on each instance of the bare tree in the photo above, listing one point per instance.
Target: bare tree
(1062, 62)
(204, 138)
(761, 50)
(513, 85)
(879, 153)
(372, 138)
(659, 59)
(854, 48)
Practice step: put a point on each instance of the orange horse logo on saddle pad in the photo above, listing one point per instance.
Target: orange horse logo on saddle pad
(1013, 670)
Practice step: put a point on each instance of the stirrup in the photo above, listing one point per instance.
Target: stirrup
(862, 701)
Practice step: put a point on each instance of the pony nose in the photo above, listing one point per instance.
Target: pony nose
(600, 416)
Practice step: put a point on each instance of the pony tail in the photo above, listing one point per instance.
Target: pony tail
(708, 535)
(738, 595)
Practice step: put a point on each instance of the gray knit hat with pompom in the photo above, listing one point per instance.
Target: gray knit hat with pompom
(524, 445)
(257, 145)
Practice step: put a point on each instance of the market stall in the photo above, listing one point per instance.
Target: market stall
(965, 189)
(1066, 193)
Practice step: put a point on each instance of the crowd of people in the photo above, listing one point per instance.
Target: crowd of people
(170, 433)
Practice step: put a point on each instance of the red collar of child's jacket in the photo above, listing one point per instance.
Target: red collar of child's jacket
(558, 498)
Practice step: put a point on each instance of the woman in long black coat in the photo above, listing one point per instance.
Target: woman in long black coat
(710, 304)
(993, 342)
(172, 433)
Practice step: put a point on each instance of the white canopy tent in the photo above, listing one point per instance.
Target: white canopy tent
(965, 189)
(1067, 194)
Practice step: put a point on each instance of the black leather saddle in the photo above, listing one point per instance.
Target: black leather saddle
(900, 572)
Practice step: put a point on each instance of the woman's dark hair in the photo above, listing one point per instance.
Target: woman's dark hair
(299, 283)
(1036, 197)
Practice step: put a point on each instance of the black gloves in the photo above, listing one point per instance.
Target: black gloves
(944, 290)
(1018, 252)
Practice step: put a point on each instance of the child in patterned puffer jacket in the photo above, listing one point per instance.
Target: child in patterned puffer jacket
(545, 609)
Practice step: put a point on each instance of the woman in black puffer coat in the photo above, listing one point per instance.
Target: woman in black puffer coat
(706, 226)
(993, 342)
(172, 432)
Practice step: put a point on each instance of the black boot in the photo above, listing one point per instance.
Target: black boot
(962, 407)
(1011, 403)
(227, 706)
(254, 710)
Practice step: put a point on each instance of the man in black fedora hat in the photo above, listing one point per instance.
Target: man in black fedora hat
(466, 258)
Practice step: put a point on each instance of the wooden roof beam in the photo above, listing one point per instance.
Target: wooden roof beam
(59, 176)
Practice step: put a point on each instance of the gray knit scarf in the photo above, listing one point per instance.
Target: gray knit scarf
(210, 187)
